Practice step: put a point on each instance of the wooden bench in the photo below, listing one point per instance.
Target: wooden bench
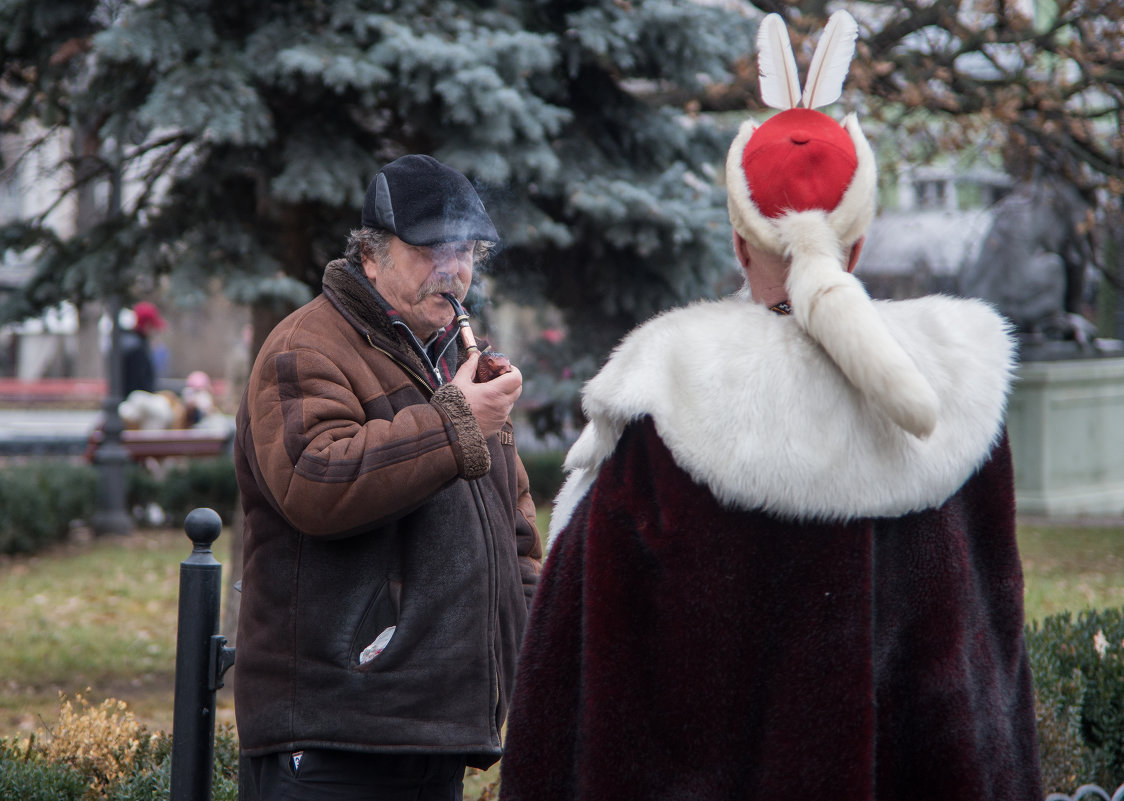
(77, 393)
(160, 444)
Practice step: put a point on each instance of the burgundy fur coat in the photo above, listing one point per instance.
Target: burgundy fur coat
(757, 588)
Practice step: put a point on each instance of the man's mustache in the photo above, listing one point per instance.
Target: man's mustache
(440, 284)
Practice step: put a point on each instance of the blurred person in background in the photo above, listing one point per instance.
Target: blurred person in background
(138, 367)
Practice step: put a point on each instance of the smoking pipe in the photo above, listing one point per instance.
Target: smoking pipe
(491, 364)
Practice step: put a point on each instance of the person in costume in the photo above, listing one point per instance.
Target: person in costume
(783, 563)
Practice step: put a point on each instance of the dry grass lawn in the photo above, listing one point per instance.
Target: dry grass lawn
(98, 616)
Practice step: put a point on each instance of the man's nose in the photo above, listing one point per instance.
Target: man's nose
(445, 261)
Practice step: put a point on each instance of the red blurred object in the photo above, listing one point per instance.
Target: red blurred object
(148, 318)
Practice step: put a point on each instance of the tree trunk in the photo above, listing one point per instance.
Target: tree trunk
(294, 253)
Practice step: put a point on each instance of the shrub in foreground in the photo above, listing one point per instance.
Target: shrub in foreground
(1078, 666)
(103, 754)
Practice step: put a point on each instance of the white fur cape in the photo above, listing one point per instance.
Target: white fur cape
(750, 406)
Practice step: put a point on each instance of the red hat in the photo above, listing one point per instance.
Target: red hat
(800, 159)
(148, 318)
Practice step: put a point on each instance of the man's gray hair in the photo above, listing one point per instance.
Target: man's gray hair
(374, 244)
(371, 243)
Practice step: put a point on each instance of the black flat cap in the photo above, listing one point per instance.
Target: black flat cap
(424, 202)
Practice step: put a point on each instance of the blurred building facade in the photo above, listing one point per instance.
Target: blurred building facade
(65, 342)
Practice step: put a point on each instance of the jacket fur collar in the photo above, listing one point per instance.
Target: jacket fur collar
(354, 296)
(751, 407)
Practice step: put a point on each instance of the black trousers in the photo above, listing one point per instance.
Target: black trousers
(327, 775)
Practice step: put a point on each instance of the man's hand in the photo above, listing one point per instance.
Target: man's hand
(491, 402)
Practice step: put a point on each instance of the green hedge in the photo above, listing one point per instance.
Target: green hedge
(196, 483)
(544, 469)
(1078, 666)
(40, 500)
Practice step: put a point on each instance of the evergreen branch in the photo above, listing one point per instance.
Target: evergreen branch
(162, 165)
(31, 148)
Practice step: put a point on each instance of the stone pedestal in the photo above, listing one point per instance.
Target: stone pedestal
(1066, 421)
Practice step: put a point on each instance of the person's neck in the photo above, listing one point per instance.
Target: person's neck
(766, 279)
(769, 294)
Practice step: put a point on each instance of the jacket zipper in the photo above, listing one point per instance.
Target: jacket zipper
(413, 373)
(494, 611)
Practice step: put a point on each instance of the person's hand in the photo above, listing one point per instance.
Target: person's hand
(491, 402)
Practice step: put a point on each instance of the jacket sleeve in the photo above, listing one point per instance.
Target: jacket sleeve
(318, 447)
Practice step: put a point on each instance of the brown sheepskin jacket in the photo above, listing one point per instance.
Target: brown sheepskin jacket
(373, 501)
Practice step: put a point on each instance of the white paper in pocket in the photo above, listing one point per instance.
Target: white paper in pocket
(376, 648)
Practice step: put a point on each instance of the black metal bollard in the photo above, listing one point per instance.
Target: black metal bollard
(201, 660)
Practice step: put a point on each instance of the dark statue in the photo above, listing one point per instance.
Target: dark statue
(1033, 266)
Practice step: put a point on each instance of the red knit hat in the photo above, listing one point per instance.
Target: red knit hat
(798, 160)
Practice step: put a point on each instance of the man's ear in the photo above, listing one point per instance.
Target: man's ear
(853, 257)
(370, 268)
(741, 250)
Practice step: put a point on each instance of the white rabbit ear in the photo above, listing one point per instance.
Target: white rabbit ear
(776, 65)
(831, 61)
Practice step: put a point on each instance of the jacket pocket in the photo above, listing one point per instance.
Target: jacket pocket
(381, 613)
